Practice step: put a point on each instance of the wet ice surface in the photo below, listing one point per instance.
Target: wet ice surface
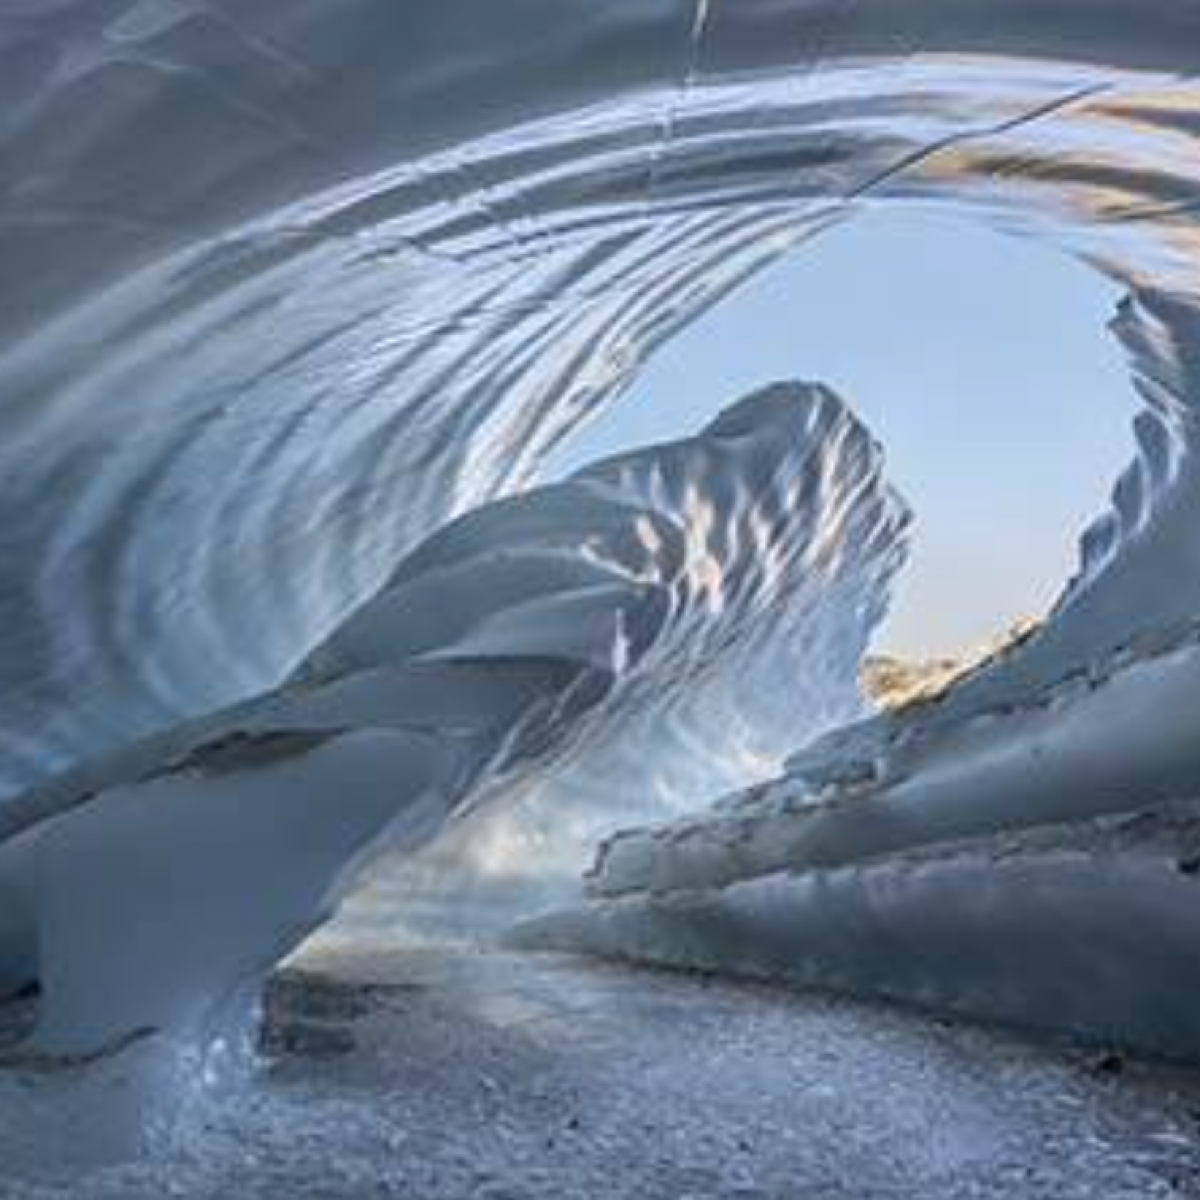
(446, 1074)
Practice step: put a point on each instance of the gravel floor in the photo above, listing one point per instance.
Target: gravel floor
(441, 1074)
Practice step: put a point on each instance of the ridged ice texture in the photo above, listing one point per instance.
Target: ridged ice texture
(526, 660)
(736, 578)
(286, 286)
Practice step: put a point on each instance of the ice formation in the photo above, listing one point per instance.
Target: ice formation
(149, 890)
(286, 289)
(1088, 928)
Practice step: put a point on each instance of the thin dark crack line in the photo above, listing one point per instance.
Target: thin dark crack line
(701, 17)
(918, 158)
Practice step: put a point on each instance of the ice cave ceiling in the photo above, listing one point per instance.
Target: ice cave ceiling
(287, 287)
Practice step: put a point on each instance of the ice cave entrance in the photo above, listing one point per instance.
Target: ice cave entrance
(983, 363)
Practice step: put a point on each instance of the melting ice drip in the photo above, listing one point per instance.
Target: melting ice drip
(286, 289)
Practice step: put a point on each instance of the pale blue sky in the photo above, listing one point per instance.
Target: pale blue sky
(982, 363)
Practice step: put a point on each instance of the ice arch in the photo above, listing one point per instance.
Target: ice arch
(285, 289)
(268, 320)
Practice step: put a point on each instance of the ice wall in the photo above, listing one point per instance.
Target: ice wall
(285, 287)
(1088, 929)
(763, 551)
(535, 643)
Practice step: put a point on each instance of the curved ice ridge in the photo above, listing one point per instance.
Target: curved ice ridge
(289, 285)
(151, 890)
(1087, 929)
(1031, 860)
(286, 289)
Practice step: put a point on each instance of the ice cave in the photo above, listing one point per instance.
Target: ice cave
(383, 814)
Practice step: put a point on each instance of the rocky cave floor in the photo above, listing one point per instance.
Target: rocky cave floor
(431, 1074)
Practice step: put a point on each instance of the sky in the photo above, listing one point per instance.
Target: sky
(983, 364)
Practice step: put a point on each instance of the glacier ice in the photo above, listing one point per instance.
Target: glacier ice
(296, 298)
(1094, 744)
(1088, 929)
(502, 659)
(235, 402)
